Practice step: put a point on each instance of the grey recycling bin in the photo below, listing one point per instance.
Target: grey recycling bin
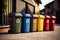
(34, 23)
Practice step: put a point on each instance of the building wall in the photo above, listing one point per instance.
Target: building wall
(50, 8)
(56, 5)
(21, 6)
(46, 10)
(57, 10)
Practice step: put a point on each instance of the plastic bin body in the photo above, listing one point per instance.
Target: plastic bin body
(34, 23)
(46, 23)
(40, 22)
(15, 23)
(26, 22)
(52, 23)
(18, 25)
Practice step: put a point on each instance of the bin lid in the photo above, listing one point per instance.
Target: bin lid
(26, 15)
(47, 16)
(41, 16)
(18, 14)
(53, 16)
(35, 15)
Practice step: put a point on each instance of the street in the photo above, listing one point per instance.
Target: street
(24, 15)
(45, 35)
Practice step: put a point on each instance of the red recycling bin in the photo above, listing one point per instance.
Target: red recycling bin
(52, 23)
(46, 23)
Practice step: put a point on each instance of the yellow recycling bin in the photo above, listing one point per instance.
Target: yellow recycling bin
(40, 22)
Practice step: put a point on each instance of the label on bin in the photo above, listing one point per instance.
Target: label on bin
(27, 20)
(35, 20)
(18, 21)
(47, 21)
(53, 21)
(34, 23)
(27, 23)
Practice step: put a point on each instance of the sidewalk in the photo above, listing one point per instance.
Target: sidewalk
(46, 35)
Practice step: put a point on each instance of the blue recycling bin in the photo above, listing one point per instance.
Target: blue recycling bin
(26, 23)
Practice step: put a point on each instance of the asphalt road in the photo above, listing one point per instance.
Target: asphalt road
(45, 35)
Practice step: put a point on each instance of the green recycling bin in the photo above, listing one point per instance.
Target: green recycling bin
(17, 23)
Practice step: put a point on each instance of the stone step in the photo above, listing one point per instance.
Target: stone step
(4, 29)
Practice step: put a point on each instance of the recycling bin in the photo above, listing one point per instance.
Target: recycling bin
(46, 23)
(17, 22)
(52, 23)
(15, 26)
(26, 23)
(40, 22)
(34, 23)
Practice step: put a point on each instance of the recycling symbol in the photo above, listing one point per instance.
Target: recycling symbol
(47, 21)
(18, 21)
(27, 20)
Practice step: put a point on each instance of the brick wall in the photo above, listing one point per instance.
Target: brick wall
(21, 5)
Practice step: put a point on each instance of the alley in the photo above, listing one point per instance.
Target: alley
(45, 35)
(24, 16)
